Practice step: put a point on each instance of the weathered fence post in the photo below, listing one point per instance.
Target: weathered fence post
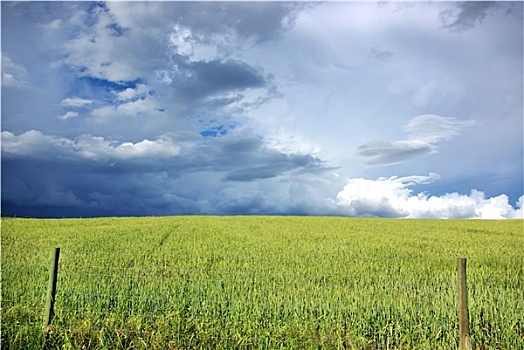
(51, 290)
(464, 339)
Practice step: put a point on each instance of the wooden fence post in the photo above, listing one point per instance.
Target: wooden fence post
(51, 290)
(464, 339)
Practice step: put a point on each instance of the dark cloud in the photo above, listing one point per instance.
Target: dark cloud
(53, 176)
(257, 21)
(242, 145)
(470, 13)
(162, 108)
(275, 164)
(246, 159)
(204, 79)
(47, 189)
(227, 26)
(252, 204)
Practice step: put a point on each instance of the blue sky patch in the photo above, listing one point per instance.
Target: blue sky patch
(110, 85)
(215, 132)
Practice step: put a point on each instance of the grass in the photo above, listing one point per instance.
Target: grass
(261, 283)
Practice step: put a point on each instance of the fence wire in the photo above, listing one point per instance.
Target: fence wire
(142, 278)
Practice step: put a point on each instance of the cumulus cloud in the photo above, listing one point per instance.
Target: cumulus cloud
(34, 144)
(160, 63)
(425, 131)
(104, 44)
(101, 49)
(393, 197)
(188, 61)
(97, 148)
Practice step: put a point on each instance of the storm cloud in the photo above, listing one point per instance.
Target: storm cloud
(164, 108)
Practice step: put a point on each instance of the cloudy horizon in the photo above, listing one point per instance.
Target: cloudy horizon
(403, 110)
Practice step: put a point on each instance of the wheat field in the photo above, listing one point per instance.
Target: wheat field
(261, 282)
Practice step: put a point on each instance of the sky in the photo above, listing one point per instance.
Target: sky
(369, 109)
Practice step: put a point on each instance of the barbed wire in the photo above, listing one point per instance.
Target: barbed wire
(198, 314)
(376, 281)
(313, 270)
(199, 309)
(171, 302)
(205, 274)
(374, 285)
(312, 255)
(189, 285)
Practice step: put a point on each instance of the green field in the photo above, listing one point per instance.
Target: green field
(261, 283)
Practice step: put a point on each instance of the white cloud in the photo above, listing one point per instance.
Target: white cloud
(34, 144)
(183, 42)
(433, 128)
(425, 131)
(101, 50)
(128, 94)
(13, 75)
(75, 102)
(68, 115)
(385, 152)
(97, 148)
(392, 197)
(53, 25)
(127, 108)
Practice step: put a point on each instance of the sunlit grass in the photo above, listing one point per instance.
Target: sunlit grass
(261, 282)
